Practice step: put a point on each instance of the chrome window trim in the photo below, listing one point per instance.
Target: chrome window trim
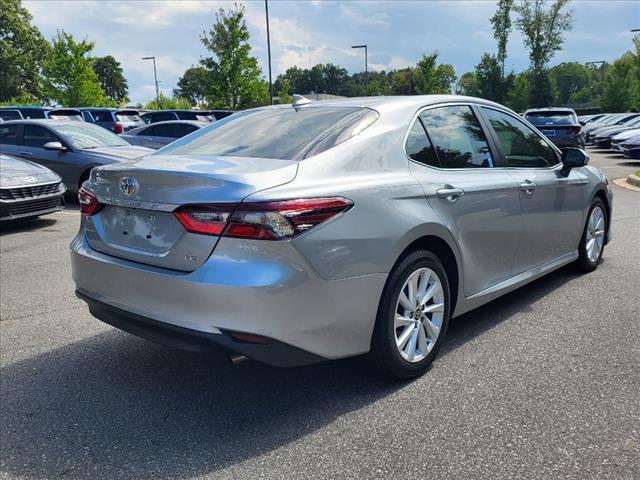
(440, 169)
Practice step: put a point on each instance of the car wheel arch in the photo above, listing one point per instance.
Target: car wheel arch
(446, 250)
(601, 194)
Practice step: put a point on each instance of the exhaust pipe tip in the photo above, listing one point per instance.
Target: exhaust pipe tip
(235, 359)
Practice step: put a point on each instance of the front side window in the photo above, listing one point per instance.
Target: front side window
(457, 136)
(8, 135)
(36, 136)
(280, 133)
(522, 146)
(419, 147)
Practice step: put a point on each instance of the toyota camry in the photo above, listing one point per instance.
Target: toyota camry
(321, 230)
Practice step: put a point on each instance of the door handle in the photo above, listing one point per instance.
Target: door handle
(449, 193)
(528, 187)
(25, 153)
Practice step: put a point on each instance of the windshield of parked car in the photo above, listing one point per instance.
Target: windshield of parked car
(83, 136)
(551, 118)
(281, 133)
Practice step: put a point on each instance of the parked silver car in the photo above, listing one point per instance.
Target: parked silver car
(28, 189)
(160, 134)
(69, 148)
(331, 229)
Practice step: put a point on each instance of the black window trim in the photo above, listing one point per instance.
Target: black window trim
(496, 155)
(503, 157)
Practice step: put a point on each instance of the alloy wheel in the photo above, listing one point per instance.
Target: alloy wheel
(419, 314)
(595, 234)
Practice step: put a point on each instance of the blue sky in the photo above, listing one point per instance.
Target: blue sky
(306, 33)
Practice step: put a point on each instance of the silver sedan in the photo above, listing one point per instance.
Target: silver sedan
(323, 230)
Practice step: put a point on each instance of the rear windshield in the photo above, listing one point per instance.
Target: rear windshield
(551, 118)
(128, 116)
(280, 133)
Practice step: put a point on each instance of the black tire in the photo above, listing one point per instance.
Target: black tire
(583, 264)
(384, 351)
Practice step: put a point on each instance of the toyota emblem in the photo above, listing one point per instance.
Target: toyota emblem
(128, 186)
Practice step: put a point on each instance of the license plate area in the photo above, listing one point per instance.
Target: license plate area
(139, 230)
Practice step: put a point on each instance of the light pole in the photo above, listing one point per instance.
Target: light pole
(266, 10)
(366, 68)
(155, 77)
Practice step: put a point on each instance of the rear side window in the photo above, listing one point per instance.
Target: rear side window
(522, 146)
(165, 130)
(36, 136)
(280, 133)
(419, 147)
(551, 118)
(10, 115)
(457, 136)
(8, 135)
(183, 129)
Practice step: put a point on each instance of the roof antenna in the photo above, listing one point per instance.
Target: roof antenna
(299, 101)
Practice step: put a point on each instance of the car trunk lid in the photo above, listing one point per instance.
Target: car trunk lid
(137, 223)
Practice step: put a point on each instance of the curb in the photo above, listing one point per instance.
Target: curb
(633, 180)
(623, 183)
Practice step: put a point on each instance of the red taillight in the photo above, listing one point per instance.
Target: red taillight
(262, 220)
(206, 219)
(117, 128)
(249, 338)
(88, 202)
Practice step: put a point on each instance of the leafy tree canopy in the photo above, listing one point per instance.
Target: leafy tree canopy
(111, 78)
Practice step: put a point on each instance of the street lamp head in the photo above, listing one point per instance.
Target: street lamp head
(148, 58)
(358, 46)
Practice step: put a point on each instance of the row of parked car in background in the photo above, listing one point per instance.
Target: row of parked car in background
(619, 132)
(53, 150)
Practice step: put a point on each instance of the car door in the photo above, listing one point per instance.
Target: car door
(455, 163)
(551, 199)
(34, 138)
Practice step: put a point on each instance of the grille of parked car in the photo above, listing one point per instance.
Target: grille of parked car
(24, 193)
(21, 208)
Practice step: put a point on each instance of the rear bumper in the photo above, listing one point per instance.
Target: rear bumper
(257, 287)
(273, 353)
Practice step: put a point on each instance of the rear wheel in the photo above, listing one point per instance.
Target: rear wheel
(413, 316)
(592, 241)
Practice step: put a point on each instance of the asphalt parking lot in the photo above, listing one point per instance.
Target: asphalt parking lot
(543, 383)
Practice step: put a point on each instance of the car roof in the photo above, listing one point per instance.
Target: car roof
(186, 122)
(550, 109)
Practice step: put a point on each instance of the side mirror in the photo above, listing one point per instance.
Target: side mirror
(54, 146)
(582, 122)
(573, 158)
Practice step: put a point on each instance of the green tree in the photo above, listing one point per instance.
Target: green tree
(193, 85)
(22, 49)
(543, 31)
(430, 78)
(111, 78)
(501, 22)
(402, 82)
(518, 95)
(236, 81)
(468, 85)
(168, 103)
(620, 80)
(489, 77)
(284, 92)
(571, 78)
